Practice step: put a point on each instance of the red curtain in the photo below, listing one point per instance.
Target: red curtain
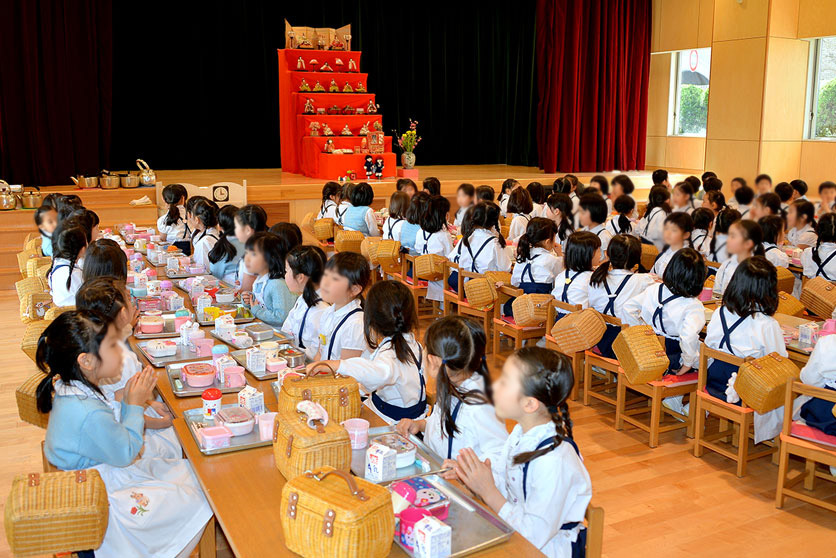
(593, 60)
(56, 88)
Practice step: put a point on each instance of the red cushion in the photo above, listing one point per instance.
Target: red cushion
(812, 434)
(511, 322)
(420, 283)
(705, 395)
(689, 378)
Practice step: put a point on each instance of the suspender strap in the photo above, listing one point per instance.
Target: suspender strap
(54, 269)
(566, 284)
(768, 248)
(822, 265)
(541, 445)
(473, 268)
(698, 240)
(727, 331)
(458, 252)
(206, 233)
(527, 269)
(717, 251)
(337, 329)
(610, 307)
(653, 213)
(657, 314)
(397, 413)
(450, 438)
(302, 327)
(426, 241)
(392, 227)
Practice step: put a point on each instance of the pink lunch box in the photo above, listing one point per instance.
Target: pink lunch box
(215, 437)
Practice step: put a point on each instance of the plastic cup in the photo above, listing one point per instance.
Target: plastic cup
(265, 425)
(358, 432)
(409, 517)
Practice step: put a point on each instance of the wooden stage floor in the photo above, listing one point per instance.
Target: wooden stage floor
(661, 502)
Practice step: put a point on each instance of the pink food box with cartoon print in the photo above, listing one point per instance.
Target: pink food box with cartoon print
(422, 494)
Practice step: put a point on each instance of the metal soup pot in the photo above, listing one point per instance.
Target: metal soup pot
(8, 200)
(129, 180)
(147, 177)
(86, 182)
(109, 180)
(31, 197)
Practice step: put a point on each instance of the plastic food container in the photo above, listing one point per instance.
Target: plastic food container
(203, 347)
(266, 422)
(199, 374)
(238, 420)
(211, 402)
(225, 296)
(276, 364)
(270, 349)
(241, 339)
(161, 347)
(215, 437)
(151, 324)
(404, 448)
(218, 351)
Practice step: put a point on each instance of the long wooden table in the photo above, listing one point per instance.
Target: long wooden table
(244, 488)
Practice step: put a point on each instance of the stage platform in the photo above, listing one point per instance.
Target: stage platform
(285, 196)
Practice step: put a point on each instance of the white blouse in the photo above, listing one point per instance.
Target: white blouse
(340, 211)
(485, 247)
(174, 232)
(328, 210)
(775, 255)
(545, 266)
(700, 239)
(61, 295)
(310, 335)
(805, 235)
(635, 286)
(350, 335)
(725, 273)
(517, 227)
(719, 254)
(651, 227)
(811, 268)
(578, 290)
(603, 234)
(392, 228)
(662, 262)
(204, 241)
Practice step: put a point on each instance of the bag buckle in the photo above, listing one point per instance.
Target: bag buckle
(328, 523)
(289, 445)
(292, 500)
(34, 479)
(81, 476)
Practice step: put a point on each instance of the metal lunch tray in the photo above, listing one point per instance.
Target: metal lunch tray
(171, 275)
(173, 373)
(242, 316)
(162, 263)
(241, 358)
(183, 354)
(168, 329)
(195, 421)
(278, 337)
(474, 527)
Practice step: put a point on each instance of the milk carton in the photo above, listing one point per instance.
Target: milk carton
(221, 364)
(380, 463)
(433, 539)
(256, 360)
(251, 399)
(225, 327)
(807, 334)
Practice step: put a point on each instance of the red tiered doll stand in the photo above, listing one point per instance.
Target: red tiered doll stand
(301, 152)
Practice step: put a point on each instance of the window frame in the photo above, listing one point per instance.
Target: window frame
(812, 101)
(674, 96)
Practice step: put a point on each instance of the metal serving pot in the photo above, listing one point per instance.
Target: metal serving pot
(31, 197)
(109, 180)
(8, 200)
(147, 177)
(86, 182)
(129, 180)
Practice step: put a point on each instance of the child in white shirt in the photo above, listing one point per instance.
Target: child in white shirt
(328, 208)
(682, 198)
(717, 251)
(480, 248)
(820, 371)
(677, 235)
(620, 223)
(249, 220)
(304, 266)
(801, 224)
(433, 238)
(538, 484)
(772, 227)
(66, 273)
(820, 260)
(592, 216)
(520, 206)
(464, 199)
(744, 241)
(463, 415)
(537, 265)
(172, 224)
(702, 233)
(652, 224)
(398, 204)
(559, 210)
(538, 199)
(582, 255)
(204, 223)
(341, 324)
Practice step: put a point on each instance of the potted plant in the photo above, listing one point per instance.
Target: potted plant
(408, 141)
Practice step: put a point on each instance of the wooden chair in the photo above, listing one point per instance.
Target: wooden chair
(417, 287)
(451, 299)
(809, 443)
(594, 531)
(484, 315)
(505, 325)
(601, 386)
(740, 417)
(656, 391)
(577, 358)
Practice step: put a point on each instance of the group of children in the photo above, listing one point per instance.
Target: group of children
(583, 247)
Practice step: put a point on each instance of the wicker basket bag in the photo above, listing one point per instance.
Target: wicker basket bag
(786, 280)
(762, 382)
(299, 448)
(56, 311)
(649, 255)
(348, 241)
(389, 255)
(819, 296)
(480, 292)
(531, 309)
(29, 343)
(307, 221)
(26, 255)
(369, 248)
(495, 277)
(330, 513)
(323, 229)
(430, 267)
(47, 513)
(789, 305)
(33, 244)
(27, 401)
(338, 395)
(34, 264)
(579, 331)
(640, 354)
(33, 293)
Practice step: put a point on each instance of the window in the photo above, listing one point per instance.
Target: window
(821, 100)
(689, 103)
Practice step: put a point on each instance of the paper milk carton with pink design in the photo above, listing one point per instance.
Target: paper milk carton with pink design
(380, 463)
(433, 539)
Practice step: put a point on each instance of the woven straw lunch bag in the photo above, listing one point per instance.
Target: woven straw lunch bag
(48, 513)
(369, 248)
(786, 280)
(819, 296)
(389, 255)
(480, 292)
(324, 229)
(495, 277)
(649, 255)
(26, 255)
(640, 354)
(298, 447)
(34, 264)
(34, 244)
(762, 382)
(27, 401)
(429, 267)
(579, 331)
(339, 395)
(33, 293)
(348, 241)
(531, 309)
(789, 305)
(307, 221)
(29, 343)
(327, 512)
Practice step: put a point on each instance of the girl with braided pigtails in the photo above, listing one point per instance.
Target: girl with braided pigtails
(538, 484)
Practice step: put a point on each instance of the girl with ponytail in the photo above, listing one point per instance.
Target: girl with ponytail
(204, 223)
(391, 367)
(537, 265)
(227, 252)
(173, 223)
(624, 206)
(78, 352)
(69, 243)
(559, 210)
(249, 220)
(482, 247)
(745, 240)
(304, 266)
(463, 416)
(613, 283)
(820, 260)
(538, 483)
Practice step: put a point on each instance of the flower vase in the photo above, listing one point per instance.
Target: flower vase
(408, 159)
